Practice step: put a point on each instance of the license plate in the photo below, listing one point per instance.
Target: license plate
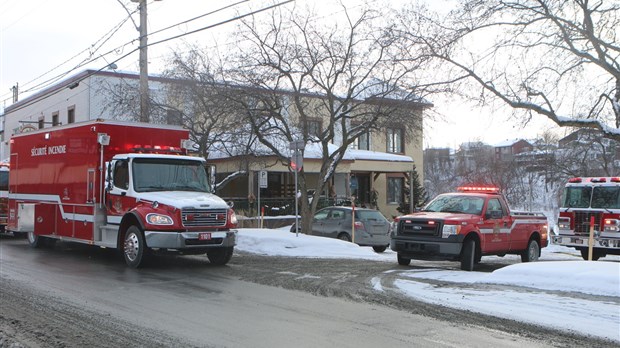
(204, 236)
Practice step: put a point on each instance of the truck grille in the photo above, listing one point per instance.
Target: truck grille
(203, 217)
(419, 227)
(582, 221)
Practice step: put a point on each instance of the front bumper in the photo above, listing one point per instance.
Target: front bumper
(190, 240)
(583, 242)
(427, 248)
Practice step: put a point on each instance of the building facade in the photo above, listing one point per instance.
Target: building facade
(374, 171)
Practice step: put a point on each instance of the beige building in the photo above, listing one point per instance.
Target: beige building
(374, 171)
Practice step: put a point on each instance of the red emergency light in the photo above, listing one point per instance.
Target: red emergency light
(615, 179)
(156, 149)
(479, 189)
(598, 180)
(574, 180)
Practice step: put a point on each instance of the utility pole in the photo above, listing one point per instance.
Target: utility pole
(144, 70)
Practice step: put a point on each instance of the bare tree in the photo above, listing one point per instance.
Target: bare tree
(345, 76)
(558, 59)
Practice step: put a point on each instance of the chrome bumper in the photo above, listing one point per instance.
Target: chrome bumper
(190, 240)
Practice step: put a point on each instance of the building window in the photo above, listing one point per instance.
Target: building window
(395, 140)
(41, 122)
(363, 142)
(314, 128)
(395, 190)
(55, 121)
(71, 114)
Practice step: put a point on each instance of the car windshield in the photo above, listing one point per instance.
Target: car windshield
(456, 204)
(150, 174)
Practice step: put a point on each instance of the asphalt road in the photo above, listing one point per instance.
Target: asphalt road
(75, 296)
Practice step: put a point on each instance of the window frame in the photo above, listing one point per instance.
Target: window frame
(395, 140)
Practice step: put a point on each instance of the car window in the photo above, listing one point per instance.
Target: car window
(495, 206)
(336, 215)
(369, 215)
(321, 215)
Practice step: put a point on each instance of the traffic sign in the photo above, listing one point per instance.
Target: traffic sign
(297, 160)
(262, 179)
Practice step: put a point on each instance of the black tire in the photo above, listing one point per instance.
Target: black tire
(379, 249)
(37, 242)
(532, 252)
(220, 256)
(596, 254)
(134, 247)
(344, 236)
(468, 255)
(403, 261)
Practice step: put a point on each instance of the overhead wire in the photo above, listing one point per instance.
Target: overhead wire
(54, 79)
(238, 17)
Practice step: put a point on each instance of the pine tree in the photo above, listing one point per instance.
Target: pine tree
(420, 197)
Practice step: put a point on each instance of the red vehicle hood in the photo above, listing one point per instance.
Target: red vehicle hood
(441, 216)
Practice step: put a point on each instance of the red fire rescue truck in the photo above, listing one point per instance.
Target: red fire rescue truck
(466, 225)
(590, 204)
(117, 185)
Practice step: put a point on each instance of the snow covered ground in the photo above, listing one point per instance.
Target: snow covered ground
(544, 302)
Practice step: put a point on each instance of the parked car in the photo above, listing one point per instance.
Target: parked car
(371, 227)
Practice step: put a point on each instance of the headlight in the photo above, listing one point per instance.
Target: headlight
(450, 230)
(158, 219)
(612, 225)
(564, 223)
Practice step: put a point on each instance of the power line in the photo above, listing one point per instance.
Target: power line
(54, 79)
(43, 97)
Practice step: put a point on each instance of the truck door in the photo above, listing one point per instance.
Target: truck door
(495, 228)
(118, 202)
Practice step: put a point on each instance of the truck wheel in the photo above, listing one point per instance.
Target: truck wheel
(220, 256)
(596, 254)
(468, 255)
(36, 242)
(403, 261)
(532, 252)
(134, 247)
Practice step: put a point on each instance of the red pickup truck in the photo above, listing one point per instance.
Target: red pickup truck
(466, 225)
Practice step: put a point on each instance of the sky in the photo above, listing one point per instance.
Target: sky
(545, 283)
(43, 41)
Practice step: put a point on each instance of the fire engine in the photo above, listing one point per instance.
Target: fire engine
(128, 186)
(466, 225)
(590, 204)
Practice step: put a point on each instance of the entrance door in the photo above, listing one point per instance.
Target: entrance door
(362, 189)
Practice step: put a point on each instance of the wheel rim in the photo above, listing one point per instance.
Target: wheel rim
(132, 246)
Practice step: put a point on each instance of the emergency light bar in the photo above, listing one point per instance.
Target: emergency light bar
(594, 180)
(156, 149)
(478, 189)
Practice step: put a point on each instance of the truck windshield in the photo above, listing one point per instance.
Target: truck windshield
(456, 204)
(606, 197)
(150, 174)
(577, 197)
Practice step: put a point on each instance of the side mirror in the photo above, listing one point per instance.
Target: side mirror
(108, 178)
(211, 171)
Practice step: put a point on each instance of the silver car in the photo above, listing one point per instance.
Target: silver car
(371, 227)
